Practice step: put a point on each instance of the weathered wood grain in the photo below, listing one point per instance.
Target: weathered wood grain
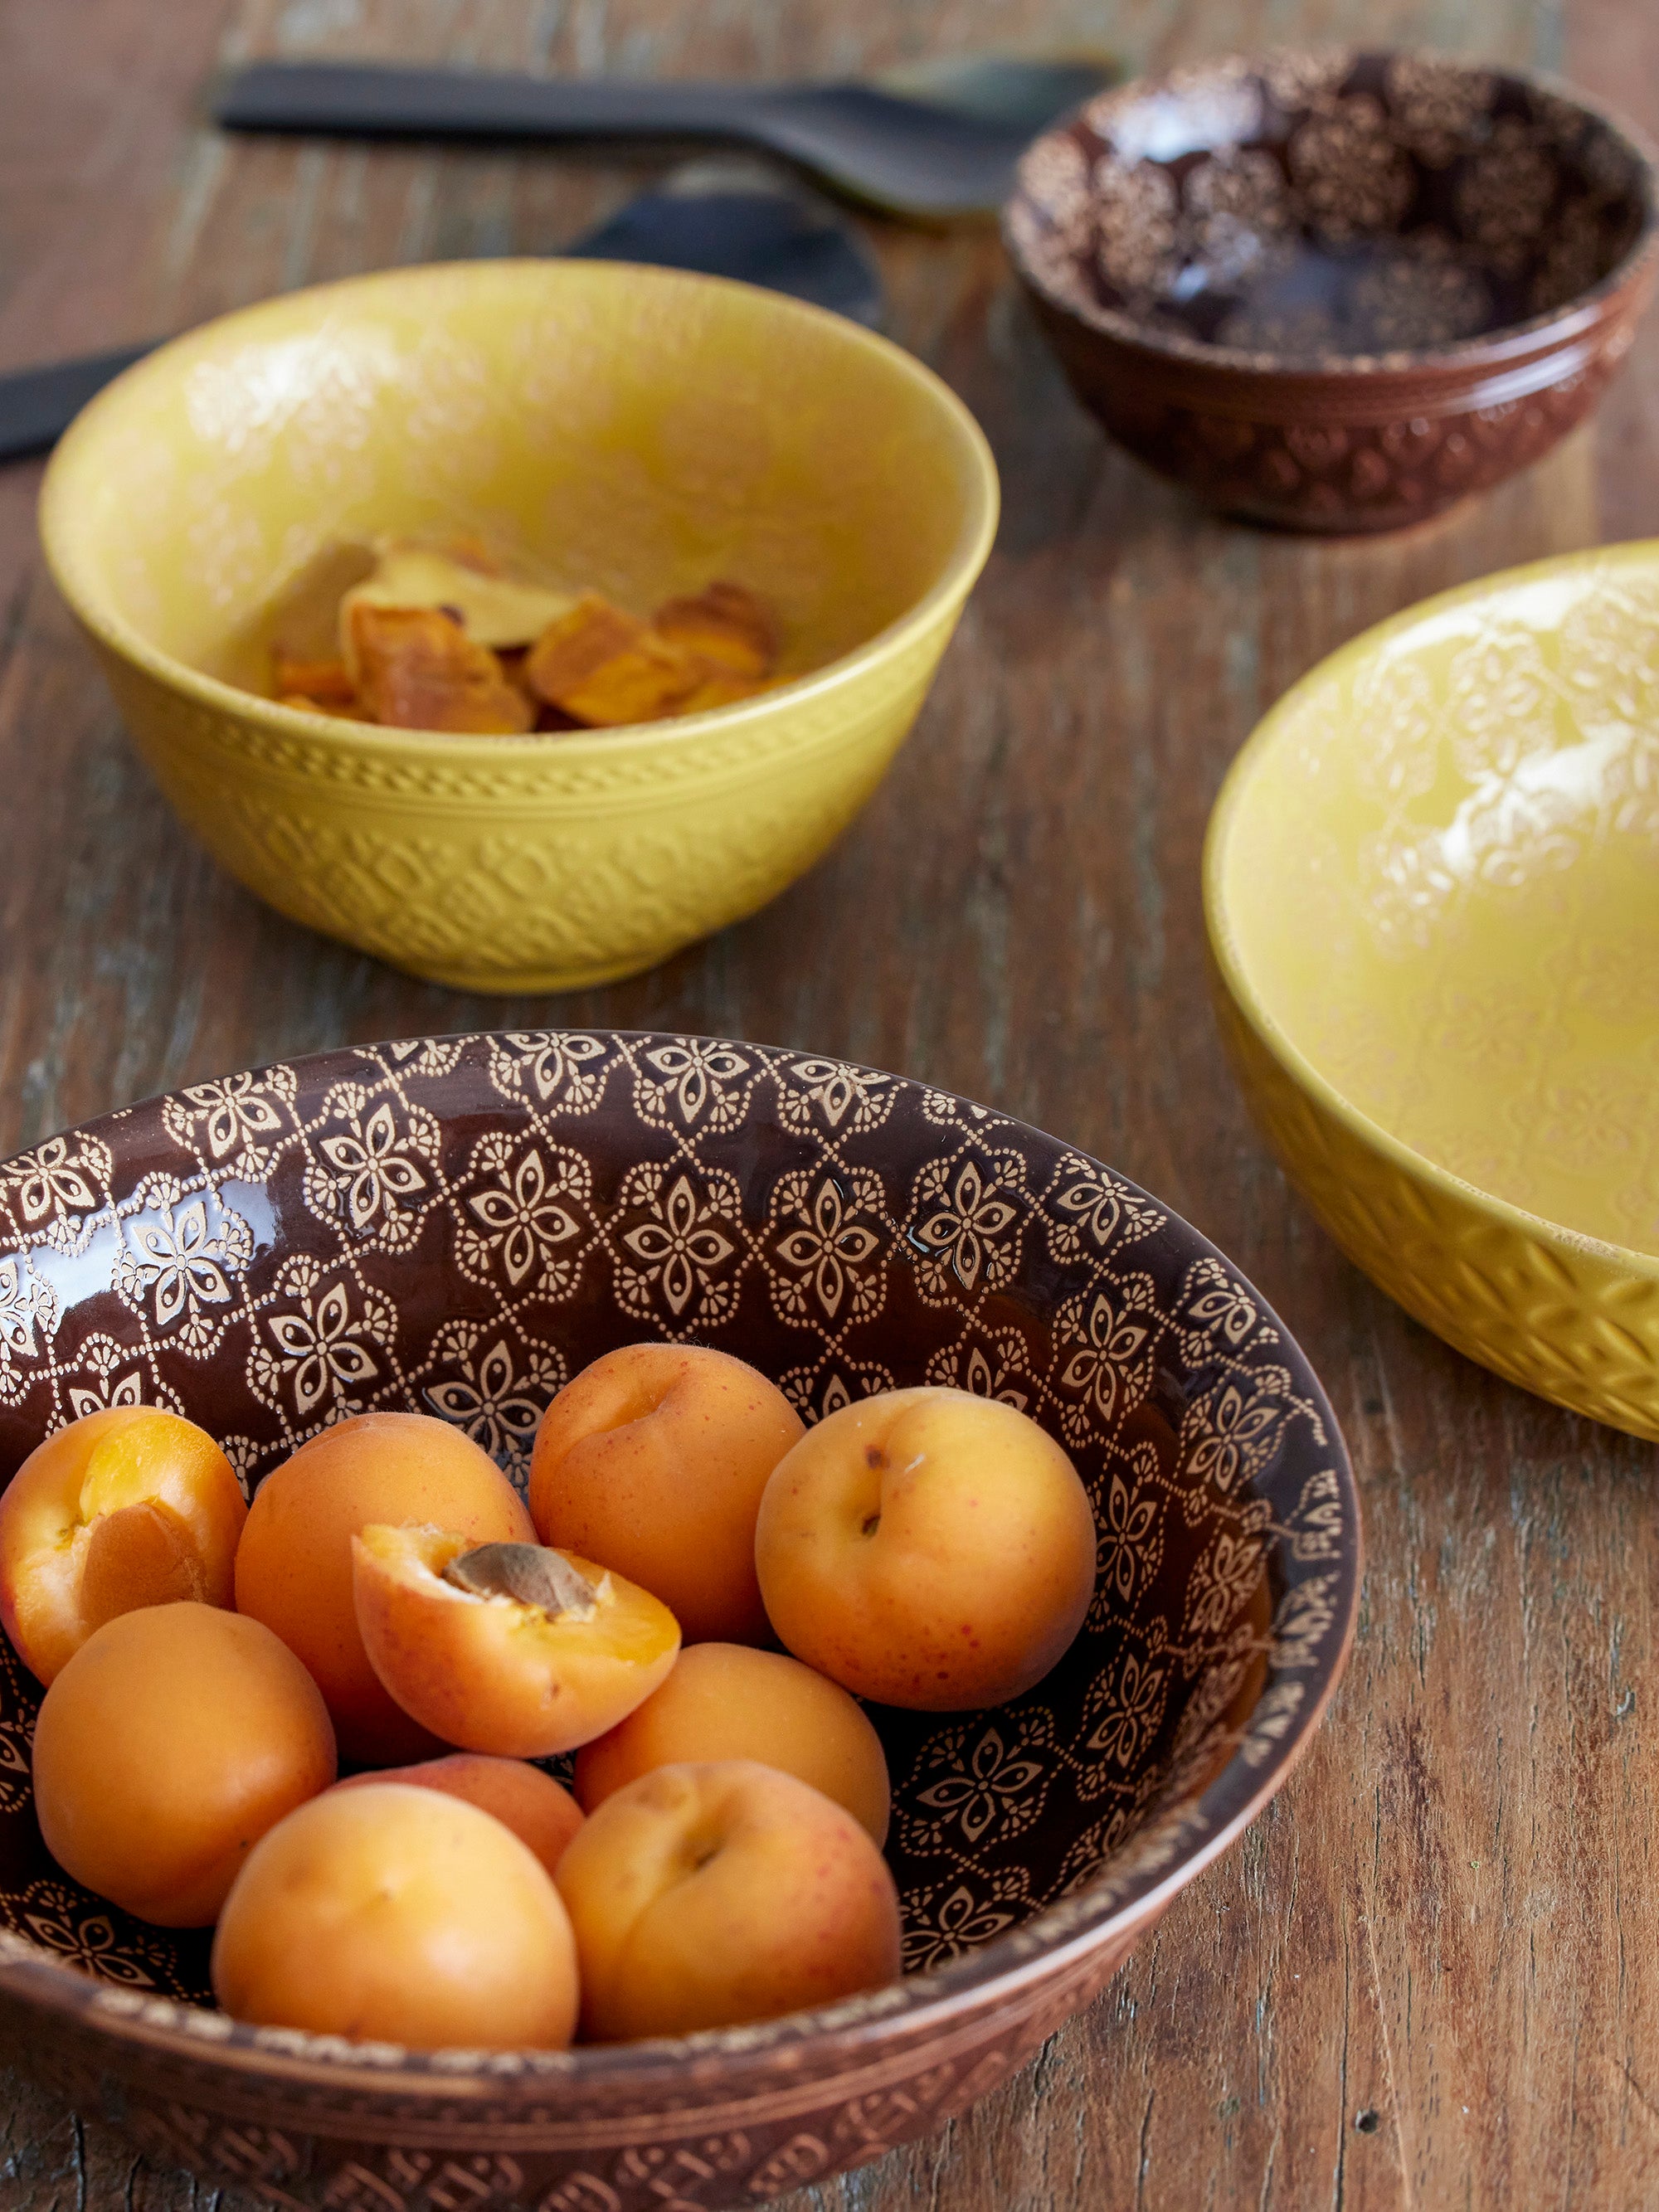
(1427, 1977)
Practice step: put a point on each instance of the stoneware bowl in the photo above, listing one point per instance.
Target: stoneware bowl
(456, 1224)
(1337, 291)
(1429, 885)
(638, 430)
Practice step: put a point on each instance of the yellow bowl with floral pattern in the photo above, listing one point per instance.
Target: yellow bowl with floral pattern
(638, 430)
(1431, 884)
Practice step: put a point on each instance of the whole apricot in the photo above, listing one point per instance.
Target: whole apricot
(653, 1462)
(399, 1915)
(541, 1813)
(928, 1548)
(704, 1896)
(293, 1564)
(506, 1647)
(123, 1508)
(729, 1701)
(165, 1747)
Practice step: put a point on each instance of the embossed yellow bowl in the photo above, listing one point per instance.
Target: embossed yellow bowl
(636, 429)
(1431, 883)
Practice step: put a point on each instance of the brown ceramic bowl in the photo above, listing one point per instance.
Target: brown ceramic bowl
(1337, 291)
(455, 1224)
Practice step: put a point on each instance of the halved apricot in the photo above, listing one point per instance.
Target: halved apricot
(506, 1647)
(293, 1565)
(540, 1812)
(123, 1509)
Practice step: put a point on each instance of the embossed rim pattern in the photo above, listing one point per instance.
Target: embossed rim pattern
(656, 2078)
(1572, 1249)
(80, 584)
(1494, 352)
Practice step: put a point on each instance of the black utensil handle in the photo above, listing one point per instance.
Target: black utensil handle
(362, 100)
(38, 404)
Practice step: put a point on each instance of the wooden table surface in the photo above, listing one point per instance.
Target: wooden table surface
(1429, 1976)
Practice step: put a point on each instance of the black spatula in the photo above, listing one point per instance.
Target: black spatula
(933, 140)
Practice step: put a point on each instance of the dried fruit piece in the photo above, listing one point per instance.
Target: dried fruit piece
(495, 609)
(605, 667)
(418, 670)
(722, 690)
(322, 682)
(724, 623)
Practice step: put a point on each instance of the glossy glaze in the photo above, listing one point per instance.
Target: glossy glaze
(1337, 290)
(455, 1224)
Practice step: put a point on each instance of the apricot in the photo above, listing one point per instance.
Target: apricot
(653, 1462)
(399, 1915)
(119, 1509)
(728, 1701)
(293, 1564)
(165, 1747)
(541, 1814)
(705, 1895)
(418, 670)
(928, 1548)
(723, 624)
(506, 1647)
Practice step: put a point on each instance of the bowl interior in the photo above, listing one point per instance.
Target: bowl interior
(456, 1225)
(1312, 205)
(1436, 871)
(634, 430)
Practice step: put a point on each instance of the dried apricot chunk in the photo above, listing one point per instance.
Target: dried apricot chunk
(726, 623)
(607, 667)
(322, 682)
(720, 690)
(418, 670)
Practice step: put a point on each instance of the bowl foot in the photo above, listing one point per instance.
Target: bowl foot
(522, 982)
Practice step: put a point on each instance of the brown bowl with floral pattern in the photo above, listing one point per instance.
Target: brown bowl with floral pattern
(1337, 291)
(456, 1225)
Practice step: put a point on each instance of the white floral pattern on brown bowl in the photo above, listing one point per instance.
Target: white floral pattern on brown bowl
(1337, 290)
(456, 1224)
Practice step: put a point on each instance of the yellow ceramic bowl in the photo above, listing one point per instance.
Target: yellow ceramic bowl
(1432, 889)
(636, 429)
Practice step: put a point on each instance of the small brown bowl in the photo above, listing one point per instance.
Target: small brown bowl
(455, 1224)
(1337, 291)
